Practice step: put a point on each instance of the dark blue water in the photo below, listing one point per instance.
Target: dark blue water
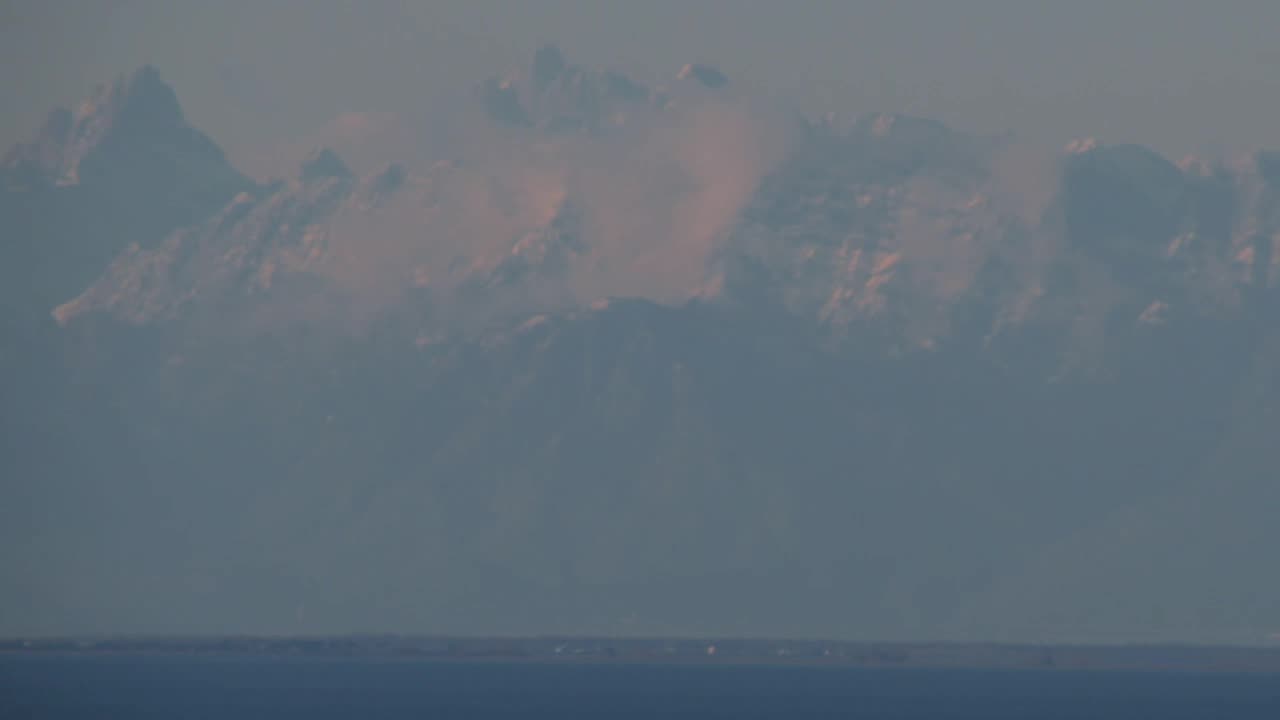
(186, 687)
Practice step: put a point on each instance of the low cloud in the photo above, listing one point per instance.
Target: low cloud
(655, 195)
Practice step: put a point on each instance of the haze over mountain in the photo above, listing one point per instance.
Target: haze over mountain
(636, 357)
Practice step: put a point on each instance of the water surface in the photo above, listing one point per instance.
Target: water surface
(64, 687)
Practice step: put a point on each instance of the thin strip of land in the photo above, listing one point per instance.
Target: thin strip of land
(702, 651)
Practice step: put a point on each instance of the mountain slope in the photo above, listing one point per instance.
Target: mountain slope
(892, 401)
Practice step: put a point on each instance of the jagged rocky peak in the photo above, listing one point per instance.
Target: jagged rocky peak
(1122, 200)
(708, 75)
(141, 102)
(555, 95)
(377, 189)
(888, 148)
(392, 177)
(132, 112)
(930, 142)
(242, 250)
(1134, 163)
(128, 134)
(502, 103)
(324, 164)
(899, 126)
(548, 63)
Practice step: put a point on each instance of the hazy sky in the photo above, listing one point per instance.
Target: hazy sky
(1181, 75)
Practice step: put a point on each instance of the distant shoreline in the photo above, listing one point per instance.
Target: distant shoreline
(673, 651)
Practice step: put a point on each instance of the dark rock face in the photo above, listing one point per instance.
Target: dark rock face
(548, 64)
(134, 131)
(502, 103)
(386, 183)
(124, 168)
(707, 75)
(1123, 202)
(324, 164)
(899, 408)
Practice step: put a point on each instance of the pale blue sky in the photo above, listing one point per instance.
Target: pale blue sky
(1181, 75)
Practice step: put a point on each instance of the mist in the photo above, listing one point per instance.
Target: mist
(937, 323)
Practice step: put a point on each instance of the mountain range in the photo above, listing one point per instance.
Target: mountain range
(637, 359)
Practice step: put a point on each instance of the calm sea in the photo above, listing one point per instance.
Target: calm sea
(187, 687)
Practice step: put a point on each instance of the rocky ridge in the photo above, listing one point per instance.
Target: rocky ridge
(898, 402)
